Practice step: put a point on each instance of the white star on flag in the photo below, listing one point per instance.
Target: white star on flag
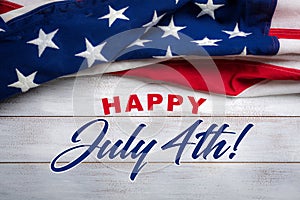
(92, 53)
(1, 30)
(244, 52)
(176, 1)
(207, 42)
(139, 42)
(236, 32)
(113, 15)
(168, 54)
(208, 8)
(154, 21)
(24, 82)
(44, 40)
(171, 29)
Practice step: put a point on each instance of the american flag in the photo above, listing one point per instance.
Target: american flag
(254, 45)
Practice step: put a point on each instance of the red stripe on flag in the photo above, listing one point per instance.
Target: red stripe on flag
(284, 33)
(236, 75)
(6, 6)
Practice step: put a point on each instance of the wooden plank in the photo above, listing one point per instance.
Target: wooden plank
(82, 97)
(40, 139)
(189, 181)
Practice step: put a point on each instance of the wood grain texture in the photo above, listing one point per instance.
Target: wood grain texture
(38, 125)
(188, 181)
(82, 97)
(40, 139)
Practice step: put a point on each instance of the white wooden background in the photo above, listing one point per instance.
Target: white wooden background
(36, 126)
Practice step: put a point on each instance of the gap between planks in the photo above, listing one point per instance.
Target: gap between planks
(200, 163)
(143, 116)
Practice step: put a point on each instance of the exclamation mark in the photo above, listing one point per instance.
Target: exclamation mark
(240, 138)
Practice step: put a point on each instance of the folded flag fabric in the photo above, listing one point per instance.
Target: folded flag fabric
(43, 41)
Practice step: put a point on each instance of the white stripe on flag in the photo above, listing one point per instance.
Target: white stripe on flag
(290, 61)
(287, 14)
(289, 46)
(28, 2)
(114, 67)
(28, 6)
(268, 88)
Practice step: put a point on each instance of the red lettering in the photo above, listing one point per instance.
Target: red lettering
(195, 104)
(134, 103)
(115, 104)
(154, 99)
(174, 100)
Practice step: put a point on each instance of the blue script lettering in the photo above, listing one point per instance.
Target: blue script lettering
(209, 140)
(202, 136)
(104, 150)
